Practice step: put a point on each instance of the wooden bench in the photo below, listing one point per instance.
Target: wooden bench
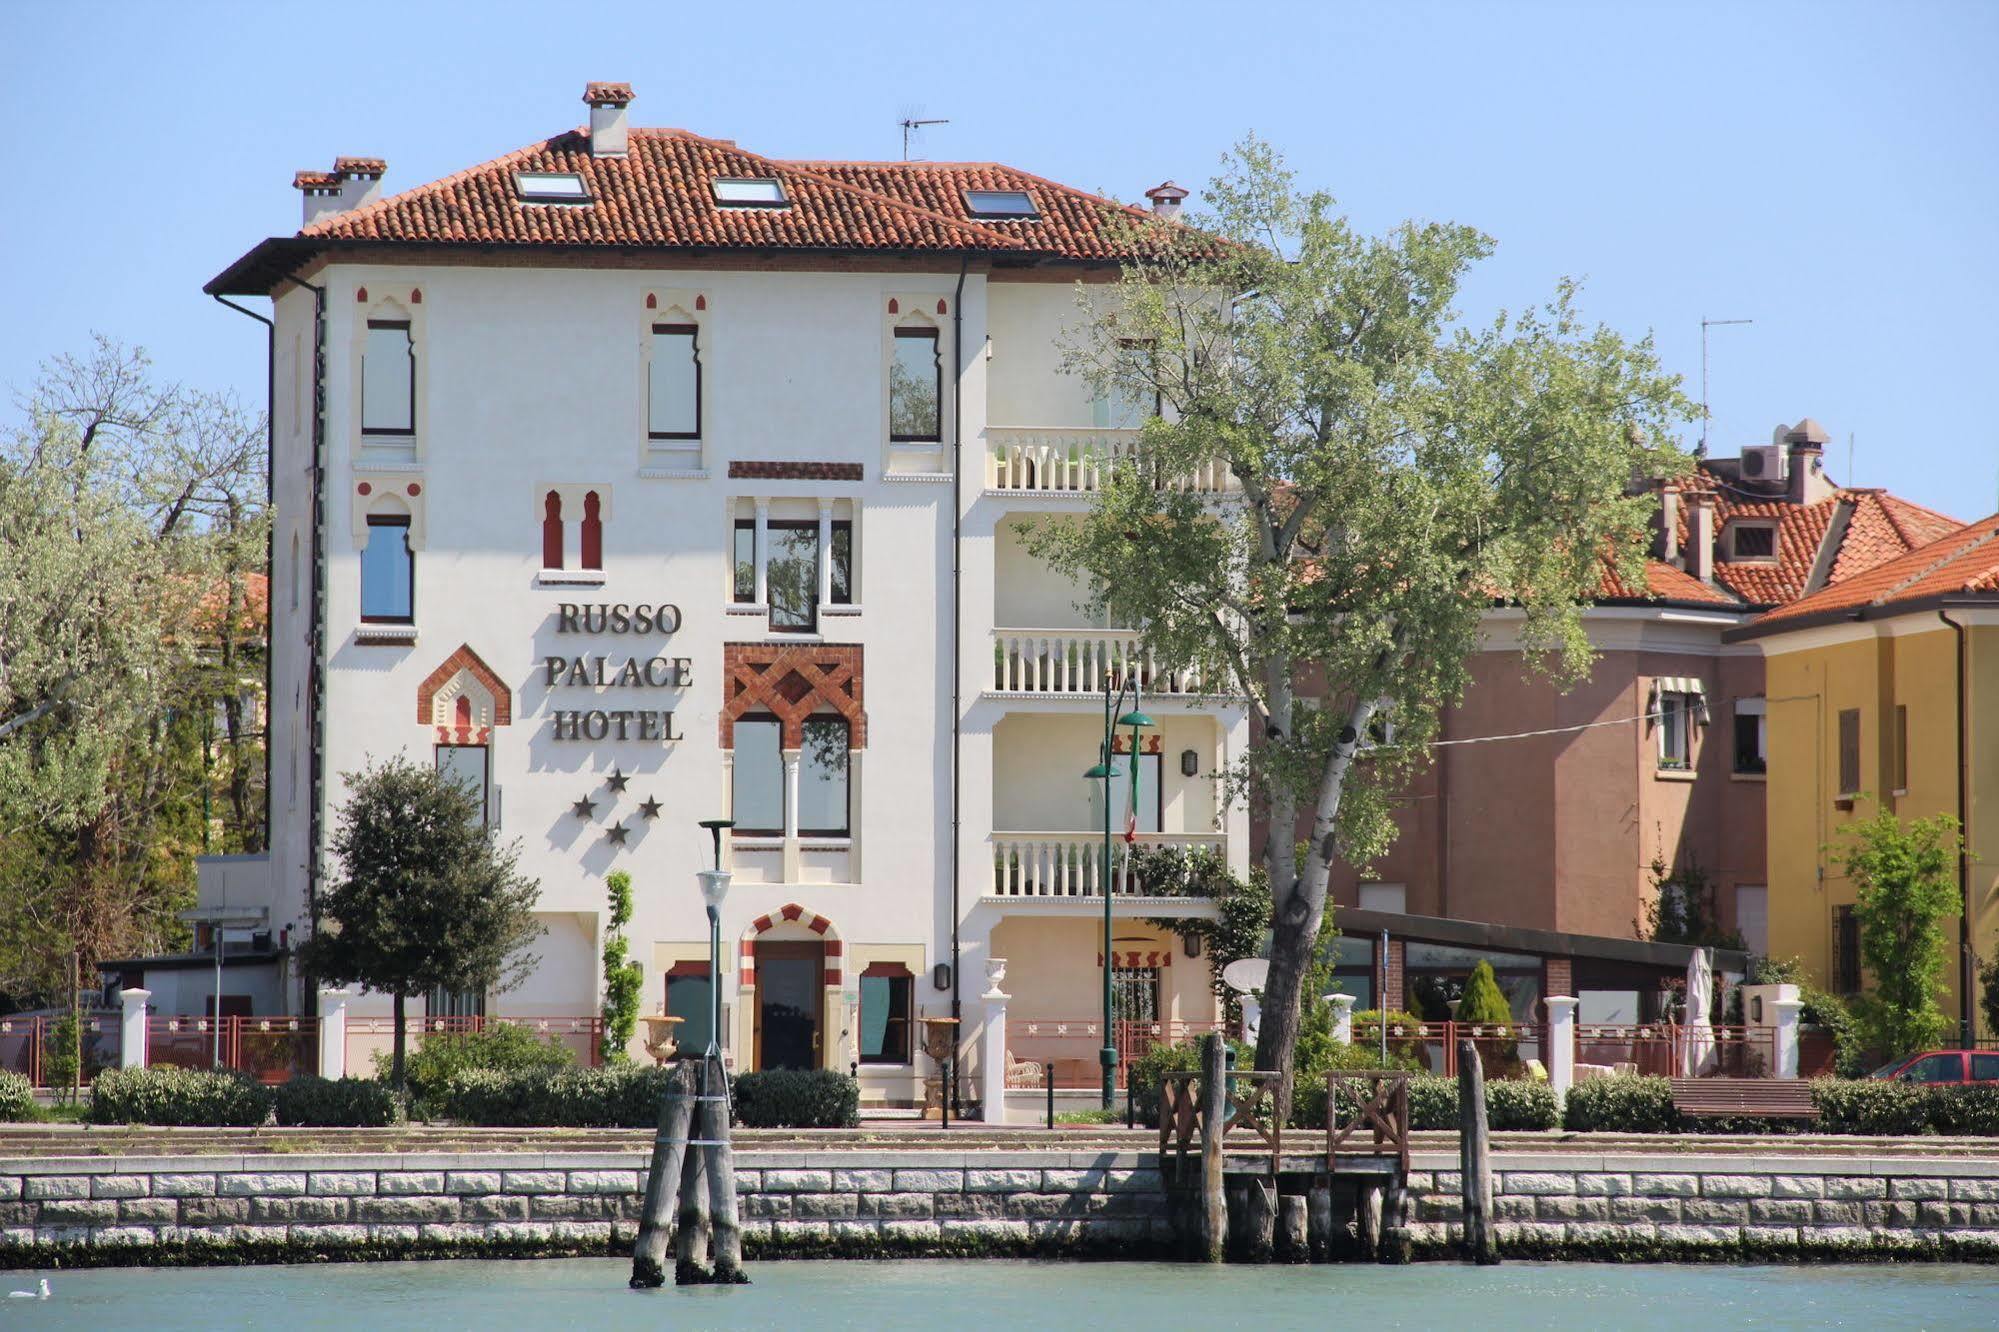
(1761, 1098)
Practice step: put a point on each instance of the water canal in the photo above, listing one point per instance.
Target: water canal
(527, 1296)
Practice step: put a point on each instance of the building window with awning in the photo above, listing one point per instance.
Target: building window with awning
(1678, 706)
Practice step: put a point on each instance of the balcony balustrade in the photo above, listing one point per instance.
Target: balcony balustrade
(1073, 661)
(1077, 462)
(1071, 864)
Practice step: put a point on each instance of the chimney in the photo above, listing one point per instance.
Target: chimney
(1669, 523)
(360, 180)
(608, 117)
(321, 192)
(1166, 198)
(1700, 535)
(1808, 481)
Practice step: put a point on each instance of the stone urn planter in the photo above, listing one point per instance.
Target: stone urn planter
(660, 1038)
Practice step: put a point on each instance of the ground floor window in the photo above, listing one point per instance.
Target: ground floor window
(688, 998)
(1354, 971)
(444, 1003)
(887, 996)
(1135, 994)
(1436, 979)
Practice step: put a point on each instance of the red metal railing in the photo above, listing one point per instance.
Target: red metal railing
(1671, 1049)
(373, 1034)
(26, 1044)
(1504, 1049)
(1073, 1045)
(270, 1049)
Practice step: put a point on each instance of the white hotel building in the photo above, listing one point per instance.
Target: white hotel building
(643, 480)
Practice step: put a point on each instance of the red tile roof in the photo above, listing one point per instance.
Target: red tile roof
(607, 94)
(1663, 582)
(1966, 562)
(1878, 527)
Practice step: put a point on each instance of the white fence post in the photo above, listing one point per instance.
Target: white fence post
(992, 1045)
(132, 1028)
(1785, 1041)
(1561, 1043)
(333, 1033)
(1342, 1017)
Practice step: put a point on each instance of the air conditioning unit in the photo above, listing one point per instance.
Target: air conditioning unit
(1763, 463)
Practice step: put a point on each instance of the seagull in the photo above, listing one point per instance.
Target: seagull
(39, 1294)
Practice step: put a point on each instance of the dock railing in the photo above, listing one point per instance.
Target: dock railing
(1378, 1103)
(1250, 1110)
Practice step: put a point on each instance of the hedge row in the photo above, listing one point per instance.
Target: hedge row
(629, 1097)
(1884, 1109)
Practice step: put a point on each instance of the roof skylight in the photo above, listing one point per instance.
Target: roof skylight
(1000, 203)
(759, 192)
(550, 187)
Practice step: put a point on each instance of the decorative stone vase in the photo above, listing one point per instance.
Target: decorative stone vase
(660, 1036)
(995, 973)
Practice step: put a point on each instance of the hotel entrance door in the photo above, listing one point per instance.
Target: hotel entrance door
(790, 991)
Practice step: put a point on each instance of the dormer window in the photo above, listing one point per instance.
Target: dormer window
(1752, 541)
(560, 187)
(1000, 205)
(758, 192)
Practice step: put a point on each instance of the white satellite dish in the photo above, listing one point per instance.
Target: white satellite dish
(1246, 975)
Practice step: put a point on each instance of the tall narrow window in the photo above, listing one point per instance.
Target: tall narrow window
(744, 587)
(1749, 755)
(467, 766)
(1135, 994)
(843, 562)
(687, 992)
(592, 542)
(1901, 747)
(444, 1003)
(1126, 404)
(1849, 752)
(388, 379)
(791, 577)
(551, 531)
(675, 387)
(887, 995)
(1675, 732)
(759, 777)
(823, 810)
(916, 387)
(388, 571)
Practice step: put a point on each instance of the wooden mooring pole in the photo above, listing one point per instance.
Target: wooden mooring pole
(714, 1123)
(1214, 1213)
(669, 1150)
(1475, 1159)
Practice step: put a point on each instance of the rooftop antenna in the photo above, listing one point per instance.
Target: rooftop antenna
(1851, 479)
(912, 122)
(1700, 450)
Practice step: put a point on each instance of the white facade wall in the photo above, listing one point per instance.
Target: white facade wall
(534, 377)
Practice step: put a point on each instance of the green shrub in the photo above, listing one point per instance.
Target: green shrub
(1970, 1111)
(314, 1102)
(17, 1098)
(502, 1047)
(1404, 1028)
(1144, 1074)
(1097, 1115)
(1621, 1105)
(797, 1098)
(178, 1097)
(1308, 1092)
(1895, 1109)
(627, 1096)
(1522, 1106)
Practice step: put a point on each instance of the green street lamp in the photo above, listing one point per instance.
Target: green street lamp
(1106, 770)
(714, 887)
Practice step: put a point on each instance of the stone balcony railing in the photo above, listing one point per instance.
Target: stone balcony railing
(1071, 864)
(1074, 661)
(1076, 462)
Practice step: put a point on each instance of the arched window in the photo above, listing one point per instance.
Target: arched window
(551, 531)
(593, 532)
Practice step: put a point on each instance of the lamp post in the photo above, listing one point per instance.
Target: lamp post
(714, 887)
(1116, 691)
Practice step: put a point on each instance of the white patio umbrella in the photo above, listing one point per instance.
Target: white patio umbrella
(1697, 1053)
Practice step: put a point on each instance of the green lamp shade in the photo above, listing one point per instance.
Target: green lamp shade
(1136, 719)
(1102, 771)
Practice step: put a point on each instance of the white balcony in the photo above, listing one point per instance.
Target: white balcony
(1073, 661)
(1052, 867)
(1076, 462)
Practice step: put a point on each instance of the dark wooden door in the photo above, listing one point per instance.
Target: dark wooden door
(790, 991)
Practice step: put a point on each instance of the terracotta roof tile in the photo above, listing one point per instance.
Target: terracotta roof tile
(1965, 561)
(608, 94)
(1663, 582)
(660, 194)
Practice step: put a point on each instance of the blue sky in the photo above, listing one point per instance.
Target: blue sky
(1826, 169)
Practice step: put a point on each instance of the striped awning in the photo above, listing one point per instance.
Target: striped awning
(1678, 684)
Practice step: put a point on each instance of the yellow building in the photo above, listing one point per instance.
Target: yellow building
(1883, 693)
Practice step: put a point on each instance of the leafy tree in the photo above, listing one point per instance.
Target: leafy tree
(622, 978)
(424, 899)
(1242, 909)
(1682, 909)
(1905, 886)
(1393, 472)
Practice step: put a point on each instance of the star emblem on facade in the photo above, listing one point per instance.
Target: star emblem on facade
(650, 809)
(616, 781)
(584, 808)
(616, 834)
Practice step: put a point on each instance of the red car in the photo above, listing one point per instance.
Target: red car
(1942, 1066)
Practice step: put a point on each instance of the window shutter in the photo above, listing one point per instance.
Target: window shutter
(1849, 752)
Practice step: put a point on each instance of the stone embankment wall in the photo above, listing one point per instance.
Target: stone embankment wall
(872, 1202)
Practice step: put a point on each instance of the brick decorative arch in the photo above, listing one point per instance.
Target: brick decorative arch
(445, 682)
(792, 682)
(818, 924)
